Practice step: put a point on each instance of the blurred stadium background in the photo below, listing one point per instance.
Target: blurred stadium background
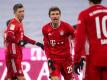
(36, 15)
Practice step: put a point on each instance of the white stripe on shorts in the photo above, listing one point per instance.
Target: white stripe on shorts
(13, 65)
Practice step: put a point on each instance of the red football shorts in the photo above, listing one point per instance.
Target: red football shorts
(13, 66)
(63, 67)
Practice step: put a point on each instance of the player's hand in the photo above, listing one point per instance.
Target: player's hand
(76, 68)
(82, 60)
(40, 45)
(50, 64)
(79, 66)
(22, 42)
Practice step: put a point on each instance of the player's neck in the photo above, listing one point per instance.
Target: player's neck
(18, 20)
(55, 25)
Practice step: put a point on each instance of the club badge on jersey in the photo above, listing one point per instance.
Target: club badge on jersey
(61, 32)
(49, 34)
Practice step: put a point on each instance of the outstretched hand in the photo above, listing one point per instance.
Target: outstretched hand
(40, 45)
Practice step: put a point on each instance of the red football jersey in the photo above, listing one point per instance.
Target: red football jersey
(13, 34)
(15, 31)
(92, 26)
(57, 40)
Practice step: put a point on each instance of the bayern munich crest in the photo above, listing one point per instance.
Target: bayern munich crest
(61, 32)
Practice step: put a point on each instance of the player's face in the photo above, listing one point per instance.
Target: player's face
(20, 14)
(55, 16)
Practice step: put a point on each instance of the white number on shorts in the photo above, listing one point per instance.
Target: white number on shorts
(69, 68)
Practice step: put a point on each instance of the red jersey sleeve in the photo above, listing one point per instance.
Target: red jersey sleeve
(11, 31)
(46, 41)
(71, 30)
(80, 39)
(29, 40)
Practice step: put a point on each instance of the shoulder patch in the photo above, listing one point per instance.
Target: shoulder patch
(12, 27)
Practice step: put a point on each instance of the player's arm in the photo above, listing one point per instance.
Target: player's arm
(79, 47)
(80, 39)
(33, 42)
(10, 34)
(46, 46)
(71, 31)
(28, 40)
(46, 42)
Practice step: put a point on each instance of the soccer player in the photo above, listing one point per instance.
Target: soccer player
(57, 36)
(14, 77)
(92, 27)
(14, 40)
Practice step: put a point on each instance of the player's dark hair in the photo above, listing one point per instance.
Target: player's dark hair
(54, 9)
(75, 26)
(7, 22)
(95, 1)
(17, 6)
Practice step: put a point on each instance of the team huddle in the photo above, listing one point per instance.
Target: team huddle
(91, 29)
